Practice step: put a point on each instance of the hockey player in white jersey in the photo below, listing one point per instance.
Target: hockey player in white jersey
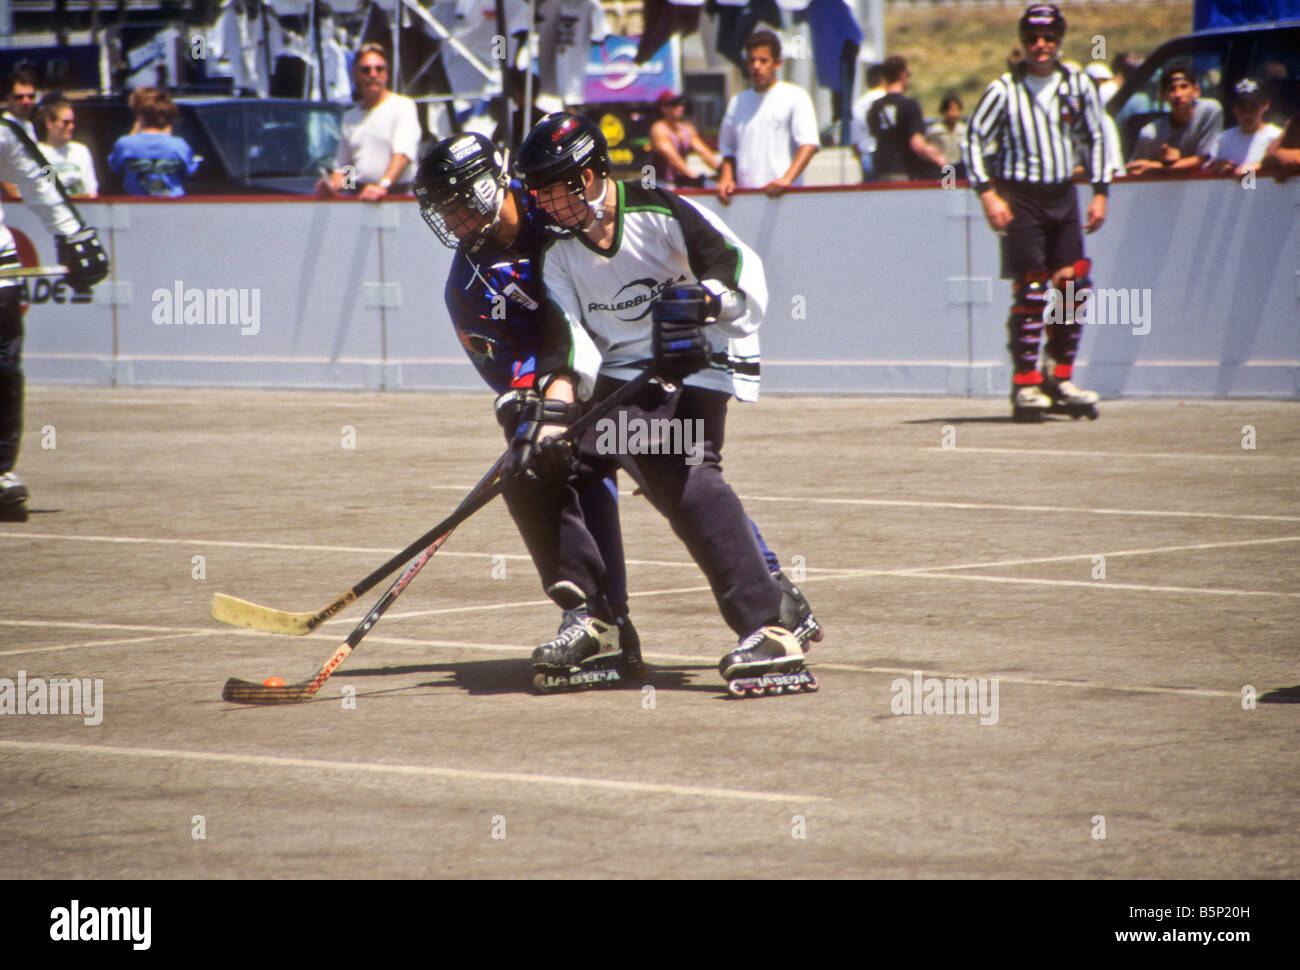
(646, 277)
(76, 246)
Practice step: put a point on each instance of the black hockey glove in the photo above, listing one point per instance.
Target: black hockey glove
(511, 405)
(85, 258)
(679, 315)
(535, 451)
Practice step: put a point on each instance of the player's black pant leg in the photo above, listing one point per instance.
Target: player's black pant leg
(704, 511)
(600, 511)
(551, 523)
(11, 377)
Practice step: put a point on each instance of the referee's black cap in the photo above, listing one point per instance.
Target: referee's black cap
(1042, 16)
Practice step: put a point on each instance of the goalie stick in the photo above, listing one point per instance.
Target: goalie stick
(237, 612)
(248, 692)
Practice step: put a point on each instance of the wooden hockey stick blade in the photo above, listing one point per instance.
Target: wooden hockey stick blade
(239, 691)
(236, 612)
(23, 272)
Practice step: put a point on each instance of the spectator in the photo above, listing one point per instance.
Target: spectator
(151, 159)
(672, 138)
(948, 133)
(769, 133)
(1282, 157)
(20, 100)
(20, 103)
(863, 143)
(381, 135)
(71, 160)
(897, 124)
(1240, 149)
(1183, 140)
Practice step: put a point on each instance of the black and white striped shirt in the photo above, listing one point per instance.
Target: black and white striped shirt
(1035, 145)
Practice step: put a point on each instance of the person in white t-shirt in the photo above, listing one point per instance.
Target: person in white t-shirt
(72, 162)
(769, 133)
(863, 142)
(381, 135)
(1240, 150)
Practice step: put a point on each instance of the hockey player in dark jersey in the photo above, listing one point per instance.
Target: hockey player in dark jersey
(492, 294)
(645, 274)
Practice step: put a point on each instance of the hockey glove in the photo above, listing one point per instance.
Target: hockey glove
(511, 405)
(535, 451)
(679, 315)
(85, 258)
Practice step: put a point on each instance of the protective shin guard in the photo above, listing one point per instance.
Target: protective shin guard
(1025, 325)
(1063, 337)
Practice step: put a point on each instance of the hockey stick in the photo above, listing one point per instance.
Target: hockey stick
(247, 692)
(23, 272)
(237, 612)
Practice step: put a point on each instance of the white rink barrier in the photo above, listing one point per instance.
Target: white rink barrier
(872, 290)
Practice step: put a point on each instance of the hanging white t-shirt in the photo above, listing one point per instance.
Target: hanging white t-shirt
(74, 167)
(371, 138)
(762, 132)
(566, 31)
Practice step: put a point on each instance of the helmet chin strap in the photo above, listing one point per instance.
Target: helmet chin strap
(598, 206)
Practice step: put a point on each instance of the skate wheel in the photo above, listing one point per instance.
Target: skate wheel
(756, 691)
(539, 683)
(1092, 414)
(735, 689)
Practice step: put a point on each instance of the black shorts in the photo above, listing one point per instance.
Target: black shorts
(1044, 233)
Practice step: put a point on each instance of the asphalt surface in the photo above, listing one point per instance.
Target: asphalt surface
(1122, 589)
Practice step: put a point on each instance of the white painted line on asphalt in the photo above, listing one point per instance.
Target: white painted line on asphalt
(1105, 584)
(410, 771)
(293, 547)
(1240, 455)
(991, 507)
(103, 643)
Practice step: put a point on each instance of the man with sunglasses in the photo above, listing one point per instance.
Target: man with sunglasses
(20, 105)
(1035, 112)
(381, 135)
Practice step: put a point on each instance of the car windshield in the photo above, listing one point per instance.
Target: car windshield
(266, 140)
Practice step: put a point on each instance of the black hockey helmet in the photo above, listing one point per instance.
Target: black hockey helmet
(558, 149)
(467, 170)
(1043, 16)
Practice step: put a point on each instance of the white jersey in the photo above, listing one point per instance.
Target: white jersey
(371, 138)
(597, 311)
(762, 132)
(74, 167)
(566, 31)
(1242, 149)
(32, 178)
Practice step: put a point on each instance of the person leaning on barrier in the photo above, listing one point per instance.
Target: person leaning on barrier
(1183, 140)
(381, 135)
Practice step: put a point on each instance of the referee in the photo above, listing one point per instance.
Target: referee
(1030, 114)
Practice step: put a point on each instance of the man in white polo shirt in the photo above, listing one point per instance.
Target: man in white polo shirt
(381, 135)
(769, 133)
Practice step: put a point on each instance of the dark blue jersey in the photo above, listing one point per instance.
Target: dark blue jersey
(493, 296)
